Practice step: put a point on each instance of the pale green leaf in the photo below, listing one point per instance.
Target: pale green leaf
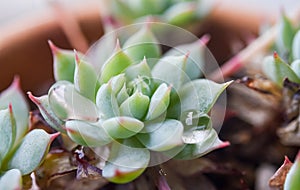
(295, 66)
(143, 44)
(296, 46)
(159, 102)
(106, 102)
(277, 70)
(87, 134)
(141, 69)
(31, 151)
(125, 163)
(11, 180)
(7, 132)
(168, 134)
(14, 96)
(122, 127)
(171, 70)
(199, 95)
(47, 113)
(68, 104)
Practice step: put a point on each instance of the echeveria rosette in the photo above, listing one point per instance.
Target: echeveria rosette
(176, 12)
(21, 151)
(134, 108)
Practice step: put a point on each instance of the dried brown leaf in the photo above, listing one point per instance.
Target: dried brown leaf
(277, 180)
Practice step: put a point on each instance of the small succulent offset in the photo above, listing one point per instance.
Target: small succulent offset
(283, 68)
(21, 152)
(176, 12)
(141, 105)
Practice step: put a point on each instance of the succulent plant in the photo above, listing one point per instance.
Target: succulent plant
(177, 12)
(138, 110)
(292, 178)
(21, 151)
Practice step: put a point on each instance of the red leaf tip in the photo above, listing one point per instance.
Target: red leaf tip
(10, 108)
(53, 47)
(33, 98)
(275, 55)
(224, 144)
(53, 136)
(205, 39)
(77, 59)
(286, 160)
(16, 82)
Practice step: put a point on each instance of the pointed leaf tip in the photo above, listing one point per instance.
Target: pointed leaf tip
(33, 98)
(287, 160)
(275, 55)
(53, 136)
(223, 145)
(205, 39)
(53, 47)
(77, 59)
(16, 82)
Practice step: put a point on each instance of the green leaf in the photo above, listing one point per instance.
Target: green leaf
(296, 46)
(85, 79)
(295, 66)
(176, 64)
(135, 106)
(143, 44)
(199, 95)
(199, 142)
(106, 102)
(125, 163)
(122, 127)
(117, 82)
(7, 132)
(31, 151)
(159, 102)
(123, 95)
(277, 70)
(63, 63)
(68, 104)
(192, 118)
(168, 134)
(292, 181)
(11, 180)
(141, 69)
(47, 113)
(181, 13)
(286, 34)
(195, 61)
(115, 65)
(14, 96)
(87, 134)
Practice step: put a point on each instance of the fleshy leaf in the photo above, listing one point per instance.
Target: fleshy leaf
(277, 70)
(87, 134)
(286, 34)
(68, 104)
(122, 127)
(159, 102)
(167, 135)
(115, 65)
(11, 180)
(199, 143)
(31, 151)
(135, 106)
(47, 113)
(195, 60)
(181, 13)
(123, 95)
(63, 63)
(295, 66)
(85, 79)
(106, 102)
(296, 46)
(199, 95)
(141, 69)
(175, 64)
(125, 163)
(7, 131)
(292, 181)
(143, 44)
(117, 82)
(14, 96)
